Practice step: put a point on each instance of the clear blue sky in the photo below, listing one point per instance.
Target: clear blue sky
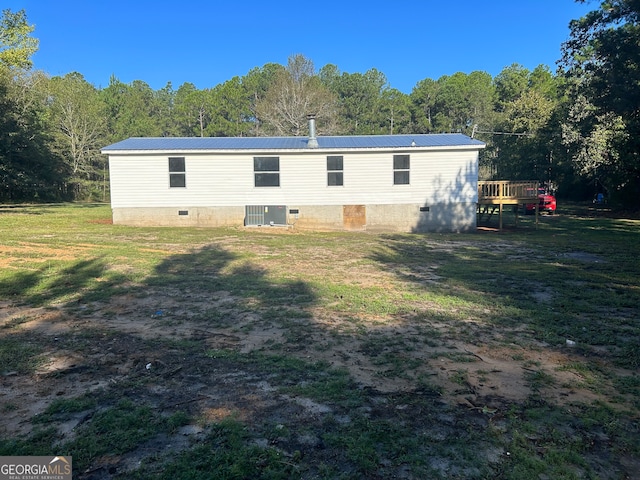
(209, 42)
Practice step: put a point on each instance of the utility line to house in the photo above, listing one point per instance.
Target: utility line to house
(523, 134)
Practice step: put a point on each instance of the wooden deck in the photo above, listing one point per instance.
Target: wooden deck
(494, 194)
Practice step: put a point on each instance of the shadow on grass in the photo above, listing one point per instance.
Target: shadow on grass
(202, 273)
(204, 270)
(54, 284)
(555, 286)
(208, 270)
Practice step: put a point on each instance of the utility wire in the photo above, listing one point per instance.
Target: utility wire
(524, 134)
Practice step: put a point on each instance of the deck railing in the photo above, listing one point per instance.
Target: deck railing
(506, 191)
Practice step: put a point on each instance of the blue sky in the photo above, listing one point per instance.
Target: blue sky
(209, 42)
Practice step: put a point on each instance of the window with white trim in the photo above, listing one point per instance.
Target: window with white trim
(177, 172)
(401, 169)
(335, 170)
(266, 171)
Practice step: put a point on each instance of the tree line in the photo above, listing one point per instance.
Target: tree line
(575, 129)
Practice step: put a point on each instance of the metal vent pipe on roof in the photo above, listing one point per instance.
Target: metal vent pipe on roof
(313, 141)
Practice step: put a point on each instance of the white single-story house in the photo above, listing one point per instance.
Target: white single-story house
(402, 183)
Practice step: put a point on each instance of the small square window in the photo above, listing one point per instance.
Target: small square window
(334, 162)
(400, 178)
(176, 164)
(177, 180)
(335, 179)
(401, 162)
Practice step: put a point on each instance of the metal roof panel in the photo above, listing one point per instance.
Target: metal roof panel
(294, 143)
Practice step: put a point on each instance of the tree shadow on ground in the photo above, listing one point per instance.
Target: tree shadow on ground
(49, 284)
(208, 270)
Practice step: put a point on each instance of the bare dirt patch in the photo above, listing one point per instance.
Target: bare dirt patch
(76, 361)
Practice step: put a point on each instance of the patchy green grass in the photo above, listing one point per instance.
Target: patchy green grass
(260, 353)
(19, 354)
(226, 453)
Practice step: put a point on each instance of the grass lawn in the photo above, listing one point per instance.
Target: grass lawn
(266, 353)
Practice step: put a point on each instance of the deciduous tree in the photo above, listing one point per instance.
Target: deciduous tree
(523, 141)
(29, 170)
(295, 93)
(601, 59)
(79, 121)
(16, 45)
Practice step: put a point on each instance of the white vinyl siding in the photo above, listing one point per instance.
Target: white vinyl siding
(227, 179)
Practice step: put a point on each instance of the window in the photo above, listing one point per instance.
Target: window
(266, 171)
(177, 175)
(334, 170)
(401, 169)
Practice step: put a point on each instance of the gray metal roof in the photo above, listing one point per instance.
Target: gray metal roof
(294, 143)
